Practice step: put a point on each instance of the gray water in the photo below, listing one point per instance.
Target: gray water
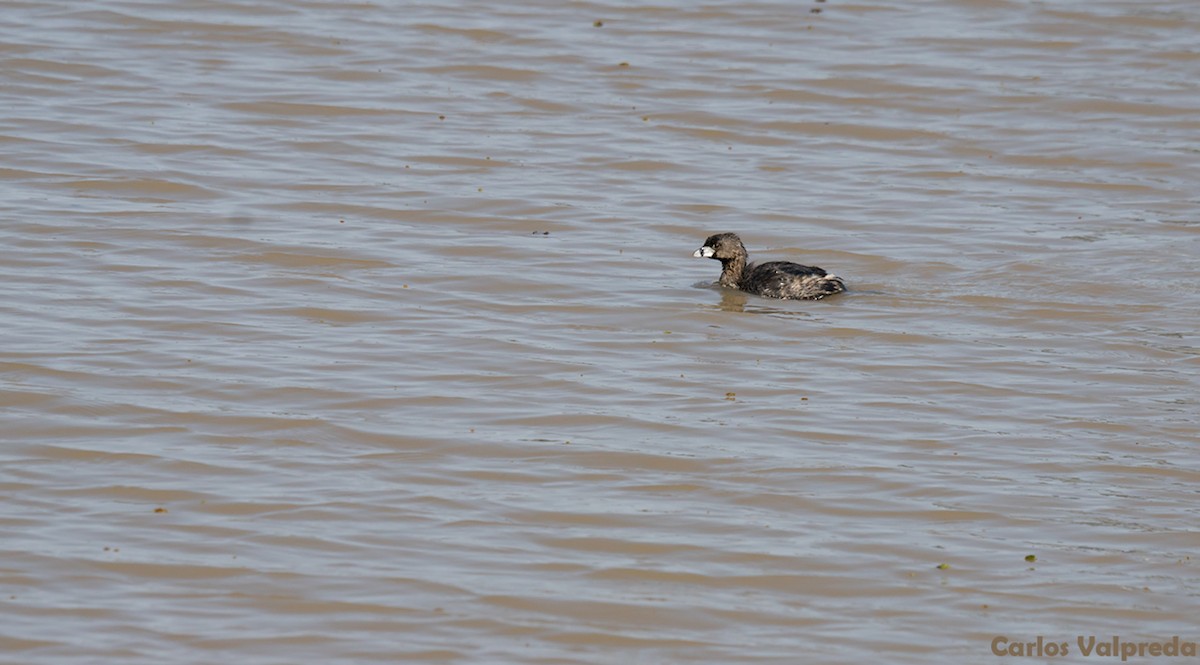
(355, 333)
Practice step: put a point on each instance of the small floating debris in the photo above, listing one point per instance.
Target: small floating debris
(1031, 558)
(943, 566)
(597, 23)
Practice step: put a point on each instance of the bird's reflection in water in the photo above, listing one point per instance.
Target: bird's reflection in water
(733, 300)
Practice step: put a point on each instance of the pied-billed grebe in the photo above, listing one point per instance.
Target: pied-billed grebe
(776, 279)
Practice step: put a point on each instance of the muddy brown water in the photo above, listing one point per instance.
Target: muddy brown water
(369, 332)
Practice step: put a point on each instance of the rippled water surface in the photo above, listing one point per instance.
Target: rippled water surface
(370, 332)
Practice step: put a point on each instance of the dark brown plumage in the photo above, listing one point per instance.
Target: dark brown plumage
(775, 279)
